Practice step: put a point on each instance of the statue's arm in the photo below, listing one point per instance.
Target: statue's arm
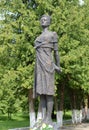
(57, 59)
(56, 54)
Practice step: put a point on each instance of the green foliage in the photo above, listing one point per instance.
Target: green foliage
(18, 30)
(16, 54)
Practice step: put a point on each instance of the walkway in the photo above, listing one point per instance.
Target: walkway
(83, 126)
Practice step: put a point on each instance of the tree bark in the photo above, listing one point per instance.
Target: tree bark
(73, 105)
(32, 114)
(60, 109)
(88, 109)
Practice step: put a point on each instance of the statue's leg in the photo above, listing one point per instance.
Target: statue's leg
(49, 99)
(43, 105)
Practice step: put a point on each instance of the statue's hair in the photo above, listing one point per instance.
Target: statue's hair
(47, 16)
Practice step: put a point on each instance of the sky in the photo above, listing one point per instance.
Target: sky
(2, 17)
(81, 2)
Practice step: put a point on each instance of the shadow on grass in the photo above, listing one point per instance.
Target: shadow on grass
(14, 117)
(9, 124)
(67, 117)
(18, 120)
(3, 118)
(24, 115)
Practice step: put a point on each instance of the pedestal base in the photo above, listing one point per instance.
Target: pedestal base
(54, 124)
(24, 128)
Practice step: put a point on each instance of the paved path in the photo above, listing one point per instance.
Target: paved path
(83, 126)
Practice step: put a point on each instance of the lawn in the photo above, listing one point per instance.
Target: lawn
(67, 115)
(18, 120)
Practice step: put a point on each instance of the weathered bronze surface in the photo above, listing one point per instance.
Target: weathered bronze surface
(45, 66)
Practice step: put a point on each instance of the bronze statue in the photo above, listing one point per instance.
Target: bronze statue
(45, 67)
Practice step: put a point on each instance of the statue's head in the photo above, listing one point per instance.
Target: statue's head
(45, 20)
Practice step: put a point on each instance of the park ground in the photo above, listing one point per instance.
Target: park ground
(22, 120)
(82, 126)
(18, 120)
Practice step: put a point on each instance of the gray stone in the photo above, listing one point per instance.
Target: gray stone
(55, 126)
(24, 128)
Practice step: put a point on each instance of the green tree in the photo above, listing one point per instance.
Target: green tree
(16, 51)
(19, 30)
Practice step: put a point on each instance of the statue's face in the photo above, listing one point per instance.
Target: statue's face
(45, 21)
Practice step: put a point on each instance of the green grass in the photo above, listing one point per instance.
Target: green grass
(67, 115)
(17, 121)
(20, 120)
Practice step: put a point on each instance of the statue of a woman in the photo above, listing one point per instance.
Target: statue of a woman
(45, 45)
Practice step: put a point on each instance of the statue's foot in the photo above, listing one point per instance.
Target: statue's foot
(38, 123)
(48, 121)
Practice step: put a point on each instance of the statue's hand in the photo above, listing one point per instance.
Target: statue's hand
(58, 69)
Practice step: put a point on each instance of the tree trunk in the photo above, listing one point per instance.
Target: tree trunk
(76, 102)
(60, 109)
(9, 114)
(85, 108)
(60, 118)
(32, 114)
(88, 109)
(73, 105)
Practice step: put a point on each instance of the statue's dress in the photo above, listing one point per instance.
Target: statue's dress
(44, 65)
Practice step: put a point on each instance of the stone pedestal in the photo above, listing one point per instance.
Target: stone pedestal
(55, 127)
(24, 128)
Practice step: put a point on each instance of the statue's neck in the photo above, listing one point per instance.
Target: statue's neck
(45, 29)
